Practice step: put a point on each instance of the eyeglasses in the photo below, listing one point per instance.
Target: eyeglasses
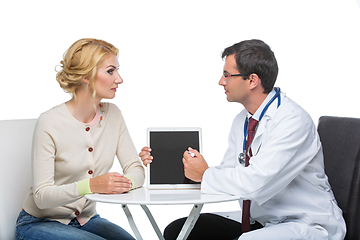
(226, 75)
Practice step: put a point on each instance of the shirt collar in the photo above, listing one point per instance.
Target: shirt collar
(257, 114)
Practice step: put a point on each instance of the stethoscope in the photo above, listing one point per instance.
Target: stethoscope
(242, 155)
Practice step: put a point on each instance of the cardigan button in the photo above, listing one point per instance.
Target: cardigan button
(87, 129)
(90, 149)
(77, 213)
(90, 172)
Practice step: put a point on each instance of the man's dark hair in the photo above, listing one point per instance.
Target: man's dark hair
(255, 56)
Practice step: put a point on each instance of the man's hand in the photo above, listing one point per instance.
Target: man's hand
(194, 167)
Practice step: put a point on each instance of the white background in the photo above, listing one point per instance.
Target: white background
(170, 62)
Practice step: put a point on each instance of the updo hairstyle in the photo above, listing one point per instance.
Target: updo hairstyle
(81, 61)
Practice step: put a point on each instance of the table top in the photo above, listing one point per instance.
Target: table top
(144, 196)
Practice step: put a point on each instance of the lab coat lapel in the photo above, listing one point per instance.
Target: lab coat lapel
(258, 140)
(256, 144)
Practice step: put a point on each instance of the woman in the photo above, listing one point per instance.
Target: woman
(74, 146)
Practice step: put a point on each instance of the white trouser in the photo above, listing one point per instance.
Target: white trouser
(287, 231)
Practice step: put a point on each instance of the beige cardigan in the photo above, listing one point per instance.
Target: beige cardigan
(67, 151)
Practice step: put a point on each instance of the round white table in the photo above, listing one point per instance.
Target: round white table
(143, 197)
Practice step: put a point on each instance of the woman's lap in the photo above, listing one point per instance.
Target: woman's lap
(97, 228)
(106, 229)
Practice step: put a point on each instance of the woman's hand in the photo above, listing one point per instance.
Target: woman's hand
(110, 183)
(145, 155)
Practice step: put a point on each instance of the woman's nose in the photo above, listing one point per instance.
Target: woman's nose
(119, 80)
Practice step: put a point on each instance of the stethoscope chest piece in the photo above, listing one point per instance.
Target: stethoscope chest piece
(242, 158)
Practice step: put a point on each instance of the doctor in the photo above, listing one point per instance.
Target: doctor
(279, 174)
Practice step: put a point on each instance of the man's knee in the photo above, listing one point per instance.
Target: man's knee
(173, 229)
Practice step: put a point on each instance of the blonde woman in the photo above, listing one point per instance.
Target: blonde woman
(74, 146)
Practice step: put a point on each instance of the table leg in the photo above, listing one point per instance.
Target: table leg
(153, 222)
(131, 221)
(185, 231)
(190, 222)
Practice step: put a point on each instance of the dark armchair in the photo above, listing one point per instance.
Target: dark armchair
(340, 138)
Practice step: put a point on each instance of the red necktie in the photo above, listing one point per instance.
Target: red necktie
(245, 225)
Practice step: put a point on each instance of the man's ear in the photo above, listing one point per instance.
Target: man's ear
(254, 80)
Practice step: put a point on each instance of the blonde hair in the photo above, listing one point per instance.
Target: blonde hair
(81, 61)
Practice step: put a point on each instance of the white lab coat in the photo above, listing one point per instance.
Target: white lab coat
(285, 180)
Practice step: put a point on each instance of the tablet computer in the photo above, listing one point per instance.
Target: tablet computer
(168, 146)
